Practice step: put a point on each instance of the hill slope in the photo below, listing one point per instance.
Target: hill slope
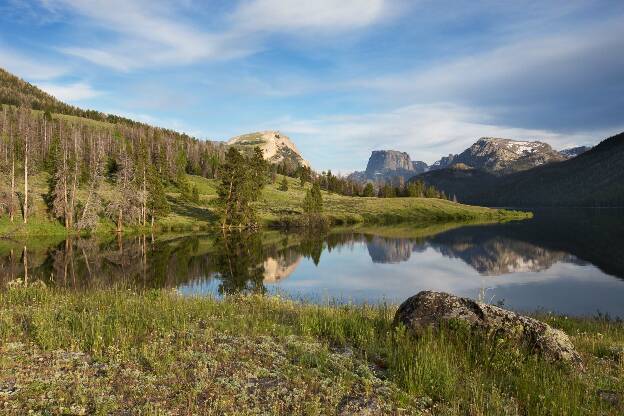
(594, 178)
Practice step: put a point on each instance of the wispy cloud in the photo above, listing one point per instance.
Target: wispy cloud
(148, 33)
(287, 15)
(152, 32)
(70, 92)
(529, 80)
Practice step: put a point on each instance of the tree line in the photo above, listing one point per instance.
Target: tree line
(137, 161)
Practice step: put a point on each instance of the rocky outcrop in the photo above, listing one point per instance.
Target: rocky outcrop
(384, 165)
(419, 167)
(444, 162)
(382, 161)
(574, 151)
(435, 309)
(276, 147)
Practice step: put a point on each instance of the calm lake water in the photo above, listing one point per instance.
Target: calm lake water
(566, 261)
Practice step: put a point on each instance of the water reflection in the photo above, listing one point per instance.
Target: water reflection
(565, 260)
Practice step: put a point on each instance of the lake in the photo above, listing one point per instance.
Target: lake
(568, 261)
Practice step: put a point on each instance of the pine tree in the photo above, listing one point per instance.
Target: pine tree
(283, 185)
(157, 205)
(242, 180)
(369, 190)
(313, 201)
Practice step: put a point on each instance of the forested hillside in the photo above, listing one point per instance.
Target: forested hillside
(594, 178)
(82, 152)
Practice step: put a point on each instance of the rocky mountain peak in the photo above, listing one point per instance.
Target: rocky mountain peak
(388, 164)
(382, 161)
(574, 151)
(502, 156)
(276, 147)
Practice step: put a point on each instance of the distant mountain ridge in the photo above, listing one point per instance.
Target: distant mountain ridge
(502, 156)
(593, 178)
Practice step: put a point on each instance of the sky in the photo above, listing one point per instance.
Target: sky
(340, 77)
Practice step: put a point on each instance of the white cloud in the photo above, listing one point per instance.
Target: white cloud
(149, 33)
(70, 92)
(156, 33)
(29, 68)
(532, 69)
(288, 15)
(425, 131)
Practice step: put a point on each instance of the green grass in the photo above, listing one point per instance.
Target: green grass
(274, 207)
(154, 352)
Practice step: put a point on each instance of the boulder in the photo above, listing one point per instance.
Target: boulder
(435, 309)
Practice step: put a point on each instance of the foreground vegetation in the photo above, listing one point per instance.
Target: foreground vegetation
(112, 351)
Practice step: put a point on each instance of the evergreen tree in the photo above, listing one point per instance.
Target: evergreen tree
(241, 184)
(157, 205)
(313, 201)
(369, 190)
(283, 185)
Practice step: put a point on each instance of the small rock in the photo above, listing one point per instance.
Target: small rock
(609, 396)
(432, 309)
(8, 388)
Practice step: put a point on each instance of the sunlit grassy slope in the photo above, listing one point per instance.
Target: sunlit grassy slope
(272, 206)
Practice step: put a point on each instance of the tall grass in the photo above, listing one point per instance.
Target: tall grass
(452, 371)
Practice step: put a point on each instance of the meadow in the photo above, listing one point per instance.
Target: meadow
(157, 352)
(275, 209)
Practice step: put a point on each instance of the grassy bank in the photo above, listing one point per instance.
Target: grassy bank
(104, 352)
(274, 207)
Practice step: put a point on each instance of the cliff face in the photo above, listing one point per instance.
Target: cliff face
(389, 164)
(388, 160)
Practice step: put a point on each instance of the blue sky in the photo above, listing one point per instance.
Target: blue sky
(340, 77)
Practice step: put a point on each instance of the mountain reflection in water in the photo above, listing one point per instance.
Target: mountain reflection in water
(569, 261)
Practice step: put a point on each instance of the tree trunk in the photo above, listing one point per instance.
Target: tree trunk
(12, 199)
(144, 197)
(120, 221)
(65, 201)
(25, 267)
(26, 179)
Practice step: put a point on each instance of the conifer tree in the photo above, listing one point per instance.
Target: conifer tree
(283, 185)
(157, 205)
(313, 201)
(242, 180)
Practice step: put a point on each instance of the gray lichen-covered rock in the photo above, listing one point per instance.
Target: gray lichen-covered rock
(434, 309)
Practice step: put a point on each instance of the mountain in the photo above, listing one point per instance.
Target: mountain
(459, 180)
(503, 156)
(389, 164)
(276, 147)
(574, 151)
(443, 163)
(594, 178)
